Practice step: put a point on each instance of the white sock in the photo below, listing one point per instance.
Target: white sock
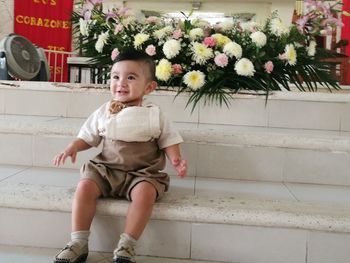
(128, 238)
(80, 236)
(126, 247)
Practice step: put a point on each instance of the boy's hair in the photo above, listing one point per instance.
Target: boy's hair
(138, 56)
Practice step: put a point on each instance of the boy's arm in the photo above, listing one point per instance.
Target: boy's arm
(71, 150)
(173, 153)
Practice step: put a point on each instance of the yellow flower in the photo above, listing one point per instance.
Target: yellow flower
(139, 39)
(291, 54)
(163, 70)
(201, 53)
(221, 40)
(194, 79)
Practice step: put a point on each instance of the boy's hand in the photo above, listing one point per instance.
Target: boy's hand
(61, 157)
(180, 166)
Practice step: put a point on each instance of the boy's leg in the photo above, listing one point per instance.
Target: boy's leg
(84, 204)
(143, 196)
(83, 211)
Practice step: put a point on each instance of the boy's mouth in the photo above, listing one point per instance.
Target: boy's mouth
(122, 92)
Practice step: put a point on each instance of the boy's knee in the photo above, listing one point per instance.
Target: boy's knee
(144, 192)
(88, 187)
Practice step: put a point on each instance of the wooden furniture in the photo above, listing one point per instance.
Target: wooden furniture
(340, 61)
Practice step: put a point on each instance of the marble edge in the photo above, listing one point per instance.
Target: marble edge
(193, 209)
(266, 138)
(163, 91)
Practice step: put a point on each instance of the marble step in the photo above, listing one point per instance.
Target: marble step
(241, 152)
(296, 110)
(198, 219)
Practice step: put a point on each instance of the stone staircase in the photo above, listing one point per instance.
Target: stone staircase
(267, 182)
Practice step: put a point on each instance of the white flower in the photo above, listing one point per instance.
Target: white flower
(258, 38)
(232, 49)
(244, 67)
(311, 49)
(277, 27)
(84, 27)
(196, 33)
(201, 53)
(291, 54)
(101, 41)
(162, 33)
(226, 26)
(139, 39)
(194, 79)
(171, 48)
(164, 70)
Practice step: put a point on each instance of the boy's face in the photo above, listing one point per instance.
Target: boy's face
(130, 81)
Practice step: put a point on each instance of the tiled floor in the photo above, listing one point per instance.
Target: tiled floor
(11, 254)
(322, 194)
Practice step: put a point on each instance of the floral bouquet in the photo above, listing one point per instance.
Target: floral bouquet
(208, 61)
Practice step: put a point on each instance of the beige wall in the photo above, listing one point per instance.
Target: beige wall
(262, 8)
(6, 17)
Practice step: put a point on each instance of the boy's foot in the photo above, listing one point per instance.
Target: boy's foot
(122, 260)
(125, 252)
(73, 252)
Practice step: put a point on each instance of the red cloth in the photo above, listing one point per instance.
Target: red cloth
(346, 31)
(47, 24)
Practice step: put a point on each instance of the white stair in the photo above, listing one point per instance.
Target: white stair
(266, 183)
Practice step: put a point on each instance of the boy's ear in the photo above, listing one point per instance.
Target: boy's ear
(151, 86)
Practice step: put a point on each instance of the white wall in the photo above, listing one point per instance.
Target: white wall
(6, 17)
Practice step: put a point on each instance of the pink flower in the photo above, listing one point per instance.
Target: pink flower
(150, 50)
(268, 66)
(118, 28)
(124, 11)
(177, 69)
(87, 14)
(96, 2)
(177, 34)
(114, 54)
(209, 41)
(221, 60)
(301, 23)
(152, 20)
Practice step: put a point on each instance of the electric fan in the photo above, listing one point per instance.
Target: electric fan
(20, 59)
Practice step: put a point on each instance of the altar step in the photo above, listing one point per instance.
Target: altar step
(294, 110)
(213, 151)
(268, 183)
(198, 219)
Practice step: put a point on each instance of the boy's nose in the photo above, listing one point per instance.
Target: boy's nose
(122, 82)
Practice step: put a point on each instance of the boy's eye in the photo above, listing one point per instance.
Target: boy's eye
(115, 77)
(131, 77)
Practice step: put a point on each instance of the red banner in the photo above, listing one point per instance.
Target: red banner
(47, 23)
(346, 31)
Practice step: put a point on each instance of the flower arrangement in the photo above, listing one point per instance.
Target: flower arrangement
(209, 61)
